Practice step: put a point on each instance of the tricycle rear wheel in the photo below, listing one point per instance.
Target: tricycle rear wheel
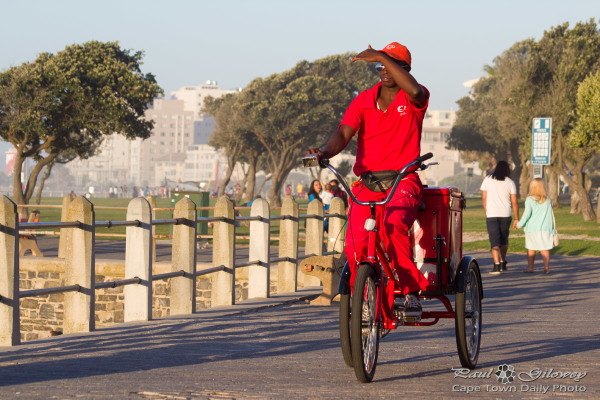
(468, 318)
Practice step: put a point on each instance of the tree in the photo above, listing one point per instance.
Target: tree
(301, 107)
(585, 135)
(273, 120)
(494, 120)
(69, 101)
(533, 79)
(563, 58)
(225, 135)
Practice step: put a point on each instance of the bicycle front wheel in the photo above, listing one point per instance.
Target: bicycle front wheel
(364, 330)
(345, 313)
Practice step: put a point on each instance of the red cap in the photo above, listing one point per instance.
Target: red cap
(397, 51)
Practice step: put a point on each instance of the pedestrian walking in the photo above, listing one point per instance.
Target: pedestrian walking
(499, 193)
(539, 225)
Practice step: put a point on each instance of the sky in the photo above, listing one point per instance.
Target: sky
(188, 42)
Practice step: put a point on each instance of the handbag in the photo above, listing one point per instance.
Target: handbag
(555, 238)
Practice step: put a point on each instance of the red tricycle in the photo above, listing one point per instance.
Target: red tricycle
(365, 313)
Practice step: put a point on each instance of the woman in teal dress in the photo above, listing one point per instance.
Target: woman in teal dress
(538, 224)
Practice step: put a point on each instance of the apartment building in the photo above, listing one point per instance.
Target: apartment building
(193, 100)
(193, 96)
(173, 132)
(111, 166)
(436, 128)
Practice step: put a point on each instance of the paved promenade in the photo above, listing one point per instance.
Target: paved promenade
(282, 348)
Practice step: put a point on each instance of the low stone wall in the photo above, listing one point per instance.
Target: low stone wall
(42, 316)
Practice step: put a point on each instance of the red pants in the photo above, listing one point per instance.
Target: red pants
(394, 221)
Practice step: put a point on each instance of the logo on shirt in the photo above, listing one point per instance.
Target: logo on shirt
(402, 110)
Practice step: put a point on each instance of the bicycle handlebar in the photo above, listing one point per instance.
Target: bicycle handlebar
(313, 160)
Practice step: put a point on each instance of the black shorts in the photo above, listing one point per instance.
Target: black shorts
(498, 229)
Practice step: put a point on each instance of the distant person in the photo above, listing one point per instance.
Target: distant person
(326, 196)
(499, 193)
(337, 191)
(538, 223)
(490, 170)
(315, 192)
(288, 190)
(300, 190)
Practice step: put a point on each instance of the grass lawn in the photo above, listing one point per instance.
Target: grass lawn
(473, 221)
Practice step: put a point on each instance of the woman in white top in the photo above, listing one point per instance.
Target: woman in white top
(499, 193)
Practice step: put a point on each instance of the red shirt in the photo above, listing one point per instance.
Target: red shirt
(386, 140)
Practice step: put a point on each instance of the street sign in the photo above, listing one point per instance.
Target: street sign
(538, 171)
(541, 140)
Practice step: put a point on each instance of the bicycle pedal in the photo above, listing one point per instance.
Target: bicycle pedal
(412, 319)
(398, 309)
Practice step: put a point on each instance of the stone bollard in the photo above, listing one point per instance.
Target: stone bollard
(327, 268)
(336, 234)
(183, 288)
(314, 237)
(152, 202)
(79, 315)
(10, 331)
(288, 247)
(259, 275)
(64, 232)
(138, 262)
(223, 288)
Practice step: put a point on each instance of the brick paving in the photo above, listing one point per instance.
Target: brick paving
(283, 348)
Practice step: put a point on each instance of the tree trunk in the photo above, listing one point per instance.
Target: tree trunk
(277, 181)
(225, 180)
(575, 201)
(17, 183)
(553, 188)
(524, 181)
(250, 181)
(580, 196)
(516, 158)
(260, 188)
(585, 205)
(598, 210)
(45, 176)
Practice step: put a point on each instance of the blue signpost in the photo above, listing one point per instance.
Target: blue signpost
(541, 145)
(541, 140)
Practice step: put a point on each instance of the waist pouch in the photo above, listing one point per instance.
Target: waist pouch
(379, 181)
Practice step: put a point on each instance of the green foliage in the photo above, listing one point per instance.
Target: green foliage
(64, 104)
(586, 131)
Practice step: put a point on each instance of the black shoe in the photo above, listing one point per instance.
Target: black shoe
(496, 269)
(503, 266)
